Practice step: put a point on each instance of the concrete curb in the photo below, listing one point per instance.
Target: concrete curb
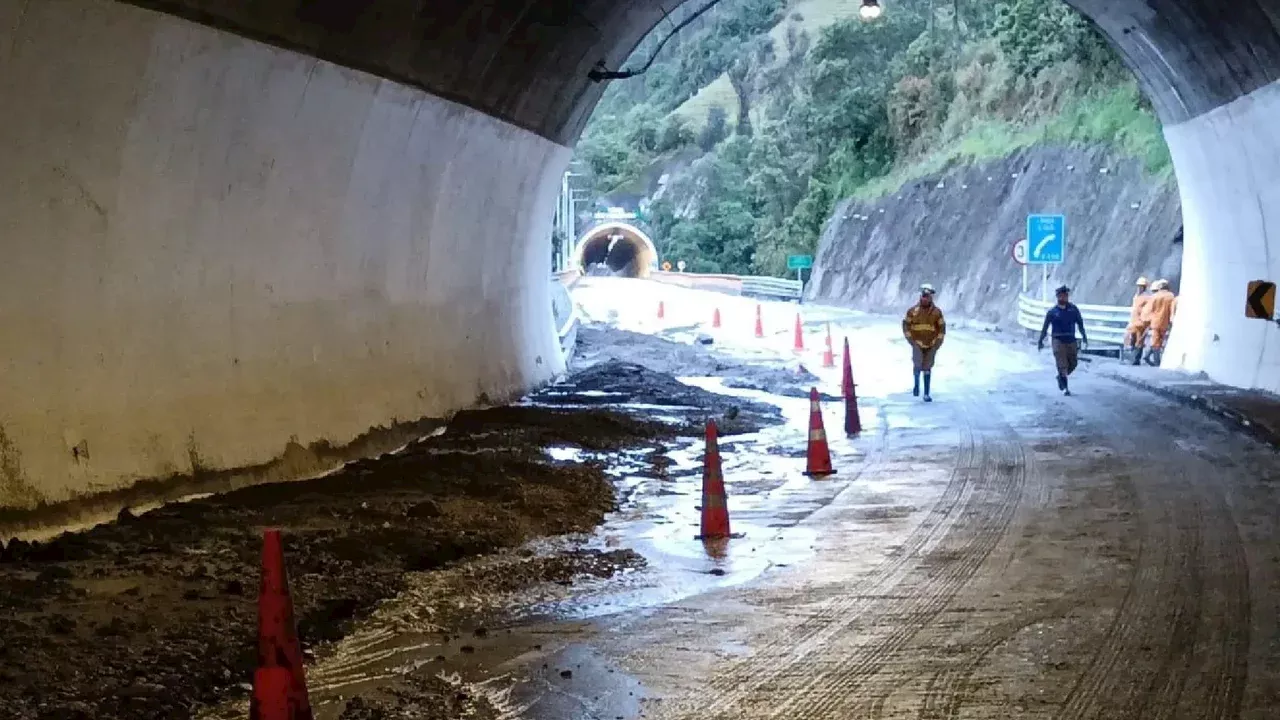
(1206, 405)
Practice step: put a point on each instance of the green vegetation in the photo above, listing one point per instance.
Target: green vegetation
(766, 113)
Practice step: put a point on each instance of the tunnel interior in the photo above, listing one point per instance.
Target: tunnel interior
(616, 249)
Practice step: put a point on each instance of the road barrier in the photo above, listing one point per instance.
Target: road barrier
(566, 315)
(772, 287)
(567, 278)
(751, 285)
(1105, 324)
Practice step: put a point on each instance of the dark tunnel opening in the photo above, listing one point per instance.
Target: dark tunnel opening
(617, 252)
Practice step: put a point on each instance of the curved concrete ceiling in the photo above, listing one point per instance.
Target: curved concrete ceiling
(527, 61)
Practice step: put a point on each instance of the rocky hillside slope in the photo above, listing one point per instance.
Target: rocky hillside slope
(955, 230)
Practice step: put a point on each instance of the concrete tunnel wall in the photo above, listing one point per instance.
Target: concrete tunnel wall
(210, 246)
(633, 255)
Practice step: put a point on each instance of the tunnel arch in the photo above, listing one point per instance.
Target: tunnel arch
(624, 248)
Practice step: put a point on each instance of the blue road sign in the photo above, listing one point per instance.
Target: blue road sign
(1046, 239)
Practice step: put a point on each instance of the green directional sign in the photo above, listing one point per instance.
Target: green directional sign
(799, 262)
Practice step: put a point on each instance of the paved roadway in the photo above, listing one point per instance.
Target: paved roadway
(1002, 552)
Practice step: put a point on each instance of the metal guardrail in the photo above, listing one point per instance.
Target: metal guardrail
(1105, 324)
(772, 287)
(566, 314)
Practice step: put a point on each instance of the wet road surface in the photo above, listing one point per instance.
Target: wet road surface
(1002, 552)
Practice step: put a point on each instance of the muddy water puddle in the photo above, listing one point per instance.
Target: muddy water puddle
(534, 655)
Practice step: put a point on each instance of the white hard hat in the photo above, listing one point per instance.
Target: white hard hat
(927, 289)
(1143, 281)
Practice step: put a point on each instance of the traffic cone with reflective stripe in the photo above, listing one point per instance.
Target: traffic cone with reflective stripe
(715, 318)
(759, 322)
(828, 355)
(798, 346)
(852, 423)
(715, 510)
(662, 309)
(819, 464)
(276, 697)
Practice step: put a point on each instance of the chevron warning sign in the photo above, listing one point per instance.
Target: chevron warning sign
(1262, 300)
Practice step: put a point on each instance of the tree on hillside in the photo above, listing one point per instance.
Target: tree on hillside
(675, 134)
(743, 74)
(716, 129)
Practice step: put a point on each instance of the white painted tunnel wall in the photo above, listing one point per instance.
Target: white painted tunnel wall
(1228, 166)
(209, 246)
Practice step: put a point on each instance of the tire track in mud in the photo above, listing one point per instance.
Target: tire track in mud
(963, 527)
(1189, 550)
(945, 691)
(835, 614)
(998, 479)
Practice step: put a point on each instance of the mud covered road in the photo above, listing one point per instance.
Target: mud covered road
(1004, 552)
(153, 616)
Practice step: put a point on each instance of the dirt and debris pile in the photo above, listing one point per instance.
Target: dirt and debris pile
(153, 616)
(618, 382)
(600, 345)
(422, 698)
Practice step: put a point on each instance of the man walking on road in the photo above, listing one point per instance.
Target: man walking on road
(1139, 318)
(1064, 318)
(925, 329)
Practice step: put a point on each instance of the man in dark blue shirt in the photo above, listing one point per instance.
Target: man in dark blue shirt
(1064, 318)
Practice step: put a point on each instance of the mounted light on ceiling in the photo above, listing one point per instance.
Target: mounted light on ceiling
(870, 9)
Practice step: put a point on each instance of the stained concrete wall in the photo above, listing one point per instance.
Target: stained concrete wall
(209, 246)
(1228, 164)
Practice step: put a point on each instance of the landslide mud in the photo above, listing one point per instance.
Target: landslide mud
(153, 616)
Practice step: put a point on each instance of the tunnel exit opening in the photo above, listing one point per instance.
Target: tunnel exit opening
(618, 249)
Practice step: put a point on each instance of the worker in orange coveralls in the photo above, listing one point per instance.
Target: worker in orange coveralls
(1135, 334)
(925, 329)
(1161, 308)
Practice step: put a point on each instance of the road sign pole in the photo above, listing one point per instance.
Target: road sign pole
(1044, 282)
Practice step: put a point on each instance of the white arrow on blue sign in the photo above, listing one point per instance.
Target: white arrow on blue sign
(1046, 239)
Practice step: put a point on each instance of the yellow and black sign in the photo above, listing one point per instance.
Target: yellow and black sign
(1262, 300)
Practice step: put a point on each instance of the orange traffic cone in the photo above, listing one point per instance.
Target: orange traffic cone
(715, 511)
(662, 309)
(847, 381)
(852, 423)
(759, 323)
(279, 685)
(819, 464)
(798, 346)
(828, 356)
(715, 319)
(270, 700)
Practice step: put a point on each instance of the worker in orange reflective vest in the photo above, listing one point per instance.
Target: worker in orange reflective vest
(925, 329)
(1162, 309)
(1135, 334)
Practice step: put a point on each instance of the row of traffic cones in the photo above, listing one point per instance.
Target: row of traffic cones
(715, 508)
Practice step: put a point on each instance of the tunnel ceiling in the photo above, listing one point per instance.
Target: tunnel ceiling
(526, 61)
